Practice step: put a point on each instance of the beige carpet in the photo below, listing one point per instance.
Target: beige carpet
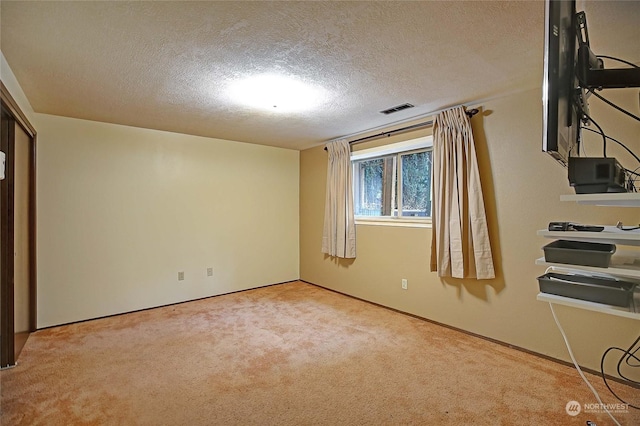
(291, 354)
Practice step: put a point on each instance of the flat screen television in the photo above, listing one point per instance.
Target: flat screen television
(571, 71)
(560, 90)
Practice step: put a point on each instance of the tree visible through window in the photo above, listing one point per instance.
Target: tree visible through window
(372, 175)
(416, 184)
(397, 185)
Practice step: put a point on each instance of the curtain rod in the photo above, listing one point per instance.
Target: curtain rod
(470, 113)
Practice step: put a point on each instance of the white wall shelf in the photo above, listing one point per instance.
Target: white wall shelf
(620, 265)
(590, 306)
(623, 199)
(623, 263)
(609, 236)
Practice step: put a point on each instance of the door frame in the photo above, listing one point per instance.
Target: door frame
(16, 116)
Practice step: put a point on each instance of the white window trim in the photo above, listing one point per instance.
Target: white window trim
(395, 148)
(407, 222)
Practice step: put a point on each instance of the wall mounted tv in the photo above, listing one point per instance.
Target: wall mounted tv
(571, 71)
(561, 128)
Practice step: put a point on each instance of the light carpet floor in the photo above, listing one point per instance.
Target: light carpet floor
(290, 354)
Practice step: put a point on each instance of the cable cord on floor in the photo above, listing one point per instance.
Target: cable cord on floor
(627, 356)
(575, 363)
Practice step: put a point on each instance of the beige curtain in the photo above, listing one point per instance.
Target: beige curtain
(460, 245)
(339, 235)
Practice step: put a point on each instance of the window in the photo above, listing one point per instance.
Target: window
(393, 181)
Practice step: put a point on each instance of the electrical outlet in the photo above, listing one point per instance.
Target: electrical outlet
(209, 272)
(180, 276)
(404, 284)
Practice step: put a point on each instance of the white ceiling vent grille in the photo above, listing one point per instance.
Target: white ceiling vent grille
(397, 108)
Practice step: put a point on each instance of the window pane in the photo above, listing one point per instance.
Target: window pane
(368, 175)
(416, 184)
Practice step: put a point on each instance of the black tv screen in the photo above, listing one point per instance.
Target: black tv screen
(561, 128)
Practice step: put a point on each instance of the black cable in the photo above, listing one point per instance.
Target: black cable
(602, 98)
(634, 356)
(625, 357)
(608, 102)
(631, 181)
(631, 172)
(604, 137)
(633, 177)
(626, 354)
(618, 59)
(611, 139)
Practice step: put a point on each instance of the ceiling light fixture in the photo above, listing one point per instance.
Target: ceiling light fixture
(276, 93)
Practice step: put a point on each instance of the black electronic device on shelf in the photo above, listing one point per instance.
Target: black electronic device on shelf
(588, 175)
(570, 226)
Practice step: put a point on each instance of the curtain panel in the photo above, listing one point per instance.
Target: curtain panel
(460, 246)
(339, 234)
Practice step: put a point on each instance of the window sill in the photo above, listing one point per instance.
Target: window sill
(389, 221)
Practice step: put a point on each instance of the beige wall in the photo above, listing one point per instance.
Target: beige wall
(522, 187)
(122, 210)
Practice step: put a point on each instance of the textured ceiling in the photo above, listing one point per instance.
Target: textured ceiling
(167, 65)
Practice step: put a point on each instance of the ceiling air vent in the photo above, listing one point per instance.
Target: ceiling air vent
(397, 108)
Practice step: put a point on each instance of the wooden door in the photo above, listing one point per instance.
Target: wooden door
(17, 232)
(22, 303)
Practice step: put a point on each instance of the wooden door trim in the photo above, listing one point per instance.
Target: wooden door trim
(7, 357)
(9, 104)
(12, 106)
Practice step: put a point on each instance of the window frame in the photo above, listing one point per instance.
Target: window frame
(411, 146)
